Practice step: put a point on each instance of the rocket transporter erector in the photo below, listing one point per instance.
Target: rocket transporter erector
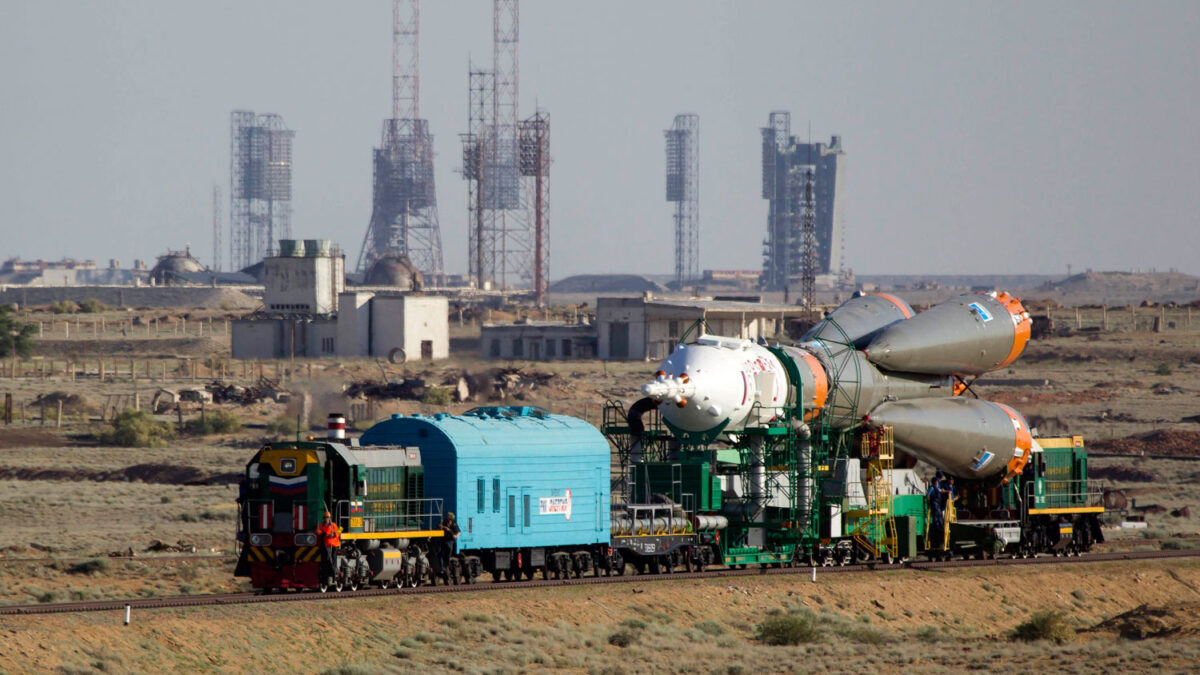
(869, 361)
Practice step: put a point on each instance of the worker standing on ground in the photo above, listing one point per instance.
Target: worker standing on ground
(329, 536)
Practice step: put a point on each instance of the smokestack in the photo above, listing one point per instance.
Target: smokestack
(337, 427)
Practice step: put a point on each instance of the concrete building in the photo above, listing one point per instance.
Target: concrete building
(394, 325)
(307, 313)
(305, 278)
(537, 341)
(648, 329)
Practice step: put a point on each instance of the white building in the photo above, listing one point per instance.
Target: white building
(305, 278)
(393, 325)
(535, 341)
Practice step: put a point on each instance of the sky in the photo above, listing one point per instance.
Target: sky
(998, 138)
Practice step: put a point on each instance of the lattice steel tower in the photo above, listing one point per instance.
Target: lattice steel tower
(683, 188)
(404, 215)
(260, 186)
(507, 238)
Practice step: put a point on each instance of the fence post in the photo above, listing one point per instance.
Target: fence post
(58, 420)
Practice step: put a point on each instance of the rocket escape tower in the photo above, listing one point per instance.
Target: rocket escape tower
(506, 163)
(260, 186)
(404, 214)
(683, 178)
(803, 184)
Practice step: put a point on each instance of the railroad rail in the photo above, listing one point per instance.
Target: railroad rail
(251, 598)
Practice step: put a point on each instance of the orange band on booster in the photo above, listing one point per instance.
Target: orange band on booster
(1023, 450)
(904, 308)
(1020, 329)
(820, 383)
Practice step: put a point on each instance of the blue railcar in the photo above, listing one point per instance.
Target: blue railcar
(531, 490)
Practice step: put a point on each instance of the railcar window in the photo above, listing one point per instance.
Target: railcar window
(526, 518)
(512, 511)
(496, 495)
(479, 487)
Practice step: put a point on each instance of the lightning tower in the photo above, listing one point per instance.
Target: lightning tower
(260, 186)
(216, 225)
(404, 214)
(683, 176)
(506, 163)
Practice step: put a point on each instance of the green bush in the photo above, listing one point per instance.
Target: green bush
(64, 307)
(15, 336)
(436, 396)
(283, 426)
(137, 429)
(217, 422)
(1162, 369)
(92, 306)
(710, 627)
(786, 630)
(1045, 625)
(1178, 544)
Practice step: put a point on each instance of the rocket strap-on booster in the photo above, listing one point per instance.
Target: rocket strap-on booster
(886, 365)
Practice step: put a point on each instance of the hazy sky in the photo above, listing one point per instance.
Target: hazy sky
(980, 137)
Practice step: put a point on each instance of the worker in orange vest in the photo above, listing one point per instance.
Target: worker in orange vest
(330, 537)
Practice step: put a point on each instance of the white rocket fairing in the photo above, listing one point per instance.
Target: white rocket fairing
(887, 366)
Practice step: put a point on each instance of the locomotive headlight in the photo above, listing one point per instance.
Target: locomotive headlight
(306, 539)
(260, 539)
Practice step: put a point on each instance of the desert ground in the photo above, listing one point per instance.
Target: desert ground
(86, 520)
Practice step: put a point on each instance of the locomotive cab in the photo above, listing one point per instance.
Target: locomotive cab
(376, 498)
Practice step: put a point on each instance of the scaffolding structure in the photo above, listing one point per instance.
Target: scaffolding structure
(683, 188)
(260, 186)
(404, 214)
(508, 237)
(802, 182)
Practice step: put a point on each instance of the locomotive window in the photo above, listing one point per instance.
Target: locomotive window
(496, 495)
(526, 520)
(479, 487)
(287, 465)
(512, 510)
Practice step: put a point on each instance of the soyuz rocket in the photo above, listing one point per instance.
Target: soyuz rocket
(870, 361)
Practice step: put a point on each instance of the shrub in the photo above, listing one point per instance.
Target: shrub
(786, 630)
(633, 623)
(137, 429)
(92, 306)
(436, 396)
(927, 634)
(64, 307)
(283, 426)
(622, 638)
(15, 336)
(1044, 625)
(710, 627)
(93, 566)
(1177, 544)
(216, 422)
(1162, 369)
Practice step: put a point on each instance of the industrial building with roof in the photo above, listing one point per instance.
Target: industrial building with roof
(634, 329)
(307, 313)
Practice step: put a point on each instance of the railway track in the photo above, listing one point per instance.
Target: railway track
(252, 598)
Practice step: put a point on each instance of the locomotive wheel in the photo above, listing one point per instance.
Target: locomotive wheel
(323, 585)
(353, 585)
(339, 584)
